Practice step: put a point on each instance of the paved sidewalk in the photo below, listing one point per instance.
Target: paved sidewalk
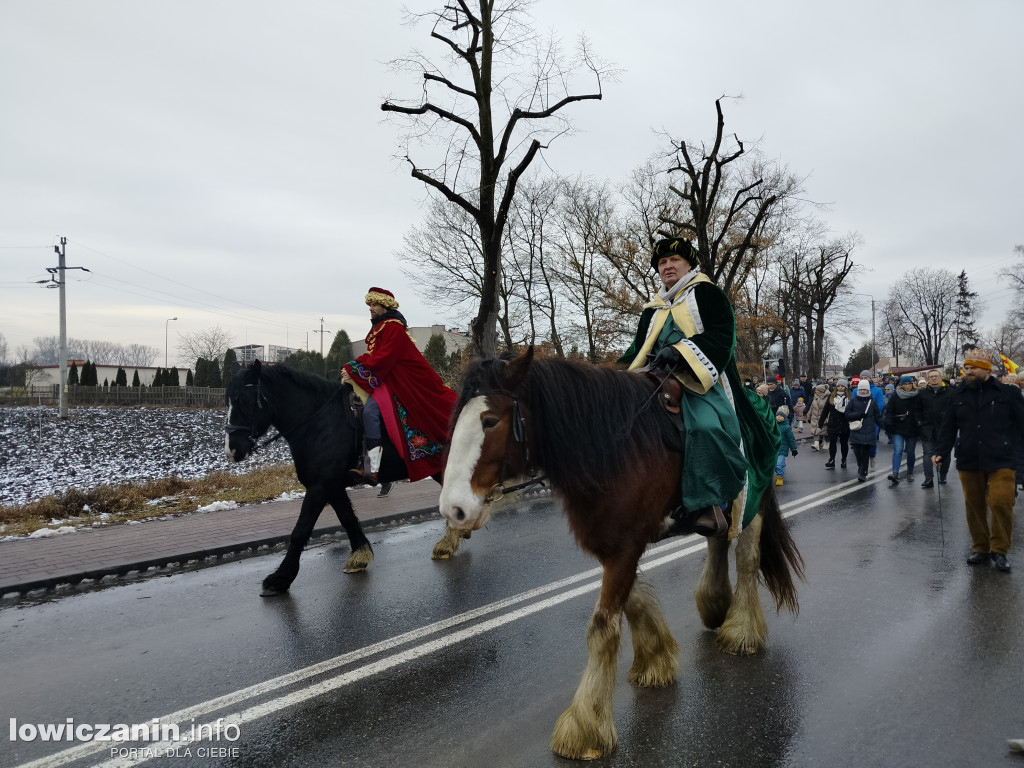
(92, 554)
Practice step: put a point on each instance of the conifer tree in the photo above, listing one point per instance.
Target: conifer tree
(189, 378)
(121, 380)
(172, 378)
(73, 374)
(136, 382)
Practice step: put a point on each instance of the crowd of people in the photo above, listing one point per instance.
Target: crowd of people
(923, 417)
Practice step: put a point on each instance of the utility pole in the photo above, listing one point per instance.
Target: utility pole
(57, 277)
(321, 332)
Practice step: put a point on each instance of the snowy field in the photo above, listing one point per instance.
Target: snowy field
(41, 454)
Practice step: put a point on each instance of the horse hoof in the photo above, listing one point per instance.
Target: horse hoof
(354, 569)
(272, 592)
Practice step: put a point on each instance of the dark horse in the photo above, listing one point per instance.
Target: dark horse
(324, 433)
(596, 436)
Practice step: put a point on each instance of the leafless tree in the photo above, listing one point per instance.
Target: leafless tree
(895, 330)
(209, 344)
(1008, 338)
(490, 105)
(3, 349)
(143, 355)
(1014, 275)
(926, 301)
(735, 200)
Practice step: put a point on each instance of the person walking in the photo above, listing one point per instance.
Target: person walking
(934, 405)
(818, 403)
(833, 419)
(863, 416)
(985, 420)
(902, 420)
(778, 397)
(788, 443)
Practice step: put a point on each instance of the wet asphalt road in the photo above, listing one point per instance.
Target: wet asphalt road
(902, 654)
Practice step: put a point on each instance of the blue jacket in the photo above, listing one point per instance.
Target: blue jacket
(788, 438)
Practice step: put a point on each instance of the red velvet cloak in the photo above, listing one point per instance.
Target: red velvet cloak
(414, 402)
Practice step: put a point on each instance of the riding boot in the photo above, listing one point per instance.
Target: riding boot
(369, 478)
(710, 521)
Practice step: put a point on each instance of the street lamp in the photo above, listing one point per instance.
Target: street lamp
(166, 325)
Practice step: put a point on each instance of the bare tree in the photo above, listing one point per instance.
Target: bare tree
(1007, 338)
(143, 355)
(735, 200)
(492, 104)
(926, 299)
(895, 330)
(209, 344)
(1014, 275)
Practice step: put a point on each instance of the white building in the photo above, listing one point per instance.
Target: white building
(46, 375)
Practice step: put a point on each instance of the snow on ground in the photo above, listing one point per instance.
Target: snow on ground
(41, 454)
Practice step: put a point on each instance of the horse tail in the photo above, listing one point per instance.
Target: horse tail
(780, 559)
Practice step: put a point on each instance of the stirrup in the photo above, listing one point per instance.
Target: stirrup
(711, 522)
(366, 478)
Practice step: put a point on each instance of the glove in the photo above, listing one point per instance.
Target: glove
(794, 453)
(668, 358)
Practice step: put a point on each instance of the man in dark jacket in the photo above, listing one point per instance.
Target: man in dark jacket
(934, 405)
(778, 397)
(988, 416)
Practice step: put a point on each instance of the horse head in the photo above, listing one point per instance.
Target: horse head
(249, 413)
(490, 444)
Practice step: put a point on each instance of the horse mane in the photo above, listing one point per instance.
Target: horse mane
(272, 374)
(590, 425)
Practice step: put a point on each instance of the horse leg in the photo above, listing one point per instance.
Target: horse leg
(744, 630)
(449, 543)
(714, 592)
(655, 651)
(586, 731)
(281, 579)
(362, 552)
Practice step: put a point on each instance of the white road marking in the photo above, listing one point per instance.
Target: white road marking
(655, 557)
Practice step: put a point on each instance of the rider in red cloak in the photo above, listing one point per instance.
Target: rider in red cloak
(415, 405)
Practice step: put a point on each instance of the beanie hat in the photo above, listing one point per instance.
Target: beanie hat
(888, 388)
(842, 383)
(669, 246)
(379, 296)
(864, 386)
(856, 381)
(906, 378)
(783, 410)
(865, 374)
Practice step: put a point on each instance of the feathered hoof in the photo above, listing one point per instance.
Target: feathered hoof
(449, 543)
(273, 591)
(739, 643)
(358, 560)
(659, 674)
(579, 739)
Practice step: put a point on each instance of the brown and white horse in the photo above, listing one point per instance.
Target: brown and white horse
(595, 434)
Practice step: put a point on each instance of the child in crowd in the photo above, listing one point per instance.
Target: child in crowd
(788, 442)
(798, 414)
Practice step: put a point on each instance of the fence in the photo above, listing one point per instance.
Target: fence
(171, 397)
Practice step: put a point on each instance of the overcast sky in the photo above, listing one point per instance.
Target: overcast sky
(226, 162)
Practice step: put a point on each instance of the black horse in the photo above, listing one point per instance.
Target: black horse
(324, 432)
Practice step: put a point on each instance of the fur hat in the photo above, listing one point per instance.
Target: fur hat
(668, 246)
(379, 296)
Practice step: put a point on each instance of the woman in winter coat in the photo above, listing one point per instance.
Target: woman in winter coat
(863, 413)
(833, 418)
(902, 419)
(817, 406)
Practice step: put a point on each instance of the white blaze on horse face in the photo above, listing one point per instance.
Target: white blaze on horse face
(461, 506)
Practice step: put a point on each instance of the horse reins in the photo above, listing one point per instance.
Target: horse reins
(499, 489)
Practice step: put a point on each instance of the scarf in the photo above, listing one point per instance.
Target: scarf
(391, 313)
(840, 403)
(906, 395)
(671, 294)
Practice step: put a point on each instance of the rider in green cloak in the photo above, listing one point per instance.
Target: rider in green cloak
(730, 438)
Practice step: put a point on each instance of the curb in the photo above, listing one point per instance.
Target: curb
(195, 559)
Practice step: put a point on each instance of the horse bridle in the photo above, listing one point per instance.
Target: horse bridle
(262, 398)
(518, 435)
